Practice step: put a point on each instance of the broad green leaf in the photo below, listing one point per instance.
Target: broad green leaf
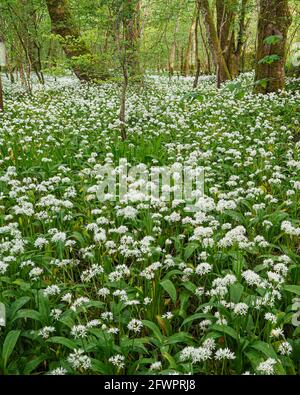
(44, 306)
(190, 286)
(189, 250)
(194, 317)
(27, 313)
(236, 291)
(296, 331)
(170, 359)
(225, 329)
(271, 40)
(181, 337)
(154, 328)
(17, 305)
(169, 287)
(9, 345)
(269, 59)
(254, 357)
(100, 367)
(34, 363)
(63, 341)
(264, 348)
(295, 289)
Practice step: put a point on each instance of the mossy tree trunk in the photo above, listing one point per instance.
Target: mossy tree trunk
(231, 31)
(172, 55)
(131, 21)
(197, 56)
(187, 57)
(223, 73)
(84, 64)
(274, 20)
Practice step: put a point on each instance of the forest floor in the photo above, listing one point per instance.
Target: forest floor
(142, 285)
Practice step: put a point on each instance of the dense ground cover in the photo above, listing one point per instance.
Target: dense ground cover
(111, 287)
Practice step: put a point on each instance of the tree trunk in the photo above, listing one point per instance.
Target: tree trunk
(198, 63)
(182, 60)
(223, 73)
(122, 115)
(225, 22)
(274, 20)
(209, 71)
(241, 35)
(187, 65)
(172, 55)
(1, 93)
(132, 36)
(230, 44)
(84, 64)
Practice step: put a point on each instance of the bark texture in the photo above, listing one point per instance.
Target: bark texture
(223, 73)
(84, 64)
(274, 20)
(231, 31)
(132, 29)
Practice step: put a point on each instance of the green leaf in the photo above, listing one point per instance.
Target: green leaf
(155, 329)
(194, 317)
(190, 286)
(78, 236)
(271, 40)
(169, 287)
(34, 363)
(189, 250)
(99, 367)
(296, 331)
(225, 329)
(27, 313)
(67, 320)
(170, 359)
(236, 291)
(9, 345)
(263, 82)
(44, 306)
(254, 358)
(264, 348)
(269, 59)
(17, 305)
(295, 289)
(181, 337)
(63, 341)
(184, 298)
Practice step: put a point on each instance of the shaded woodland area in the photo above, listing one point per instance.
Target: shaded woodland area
(101, 40)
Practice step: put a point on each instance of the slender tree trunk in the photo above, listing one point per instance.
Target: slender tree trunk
(2, 62)
(198, 63)
(187, 65)
(182, 61)
(230, 44)
(1, 93)
(223, 73)
(207, 52)
(132, 36)
(241, 35)
(172, 55)
(225, 22)
(84, 64)
(274, 20)
(122, 115)
(33, 49)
